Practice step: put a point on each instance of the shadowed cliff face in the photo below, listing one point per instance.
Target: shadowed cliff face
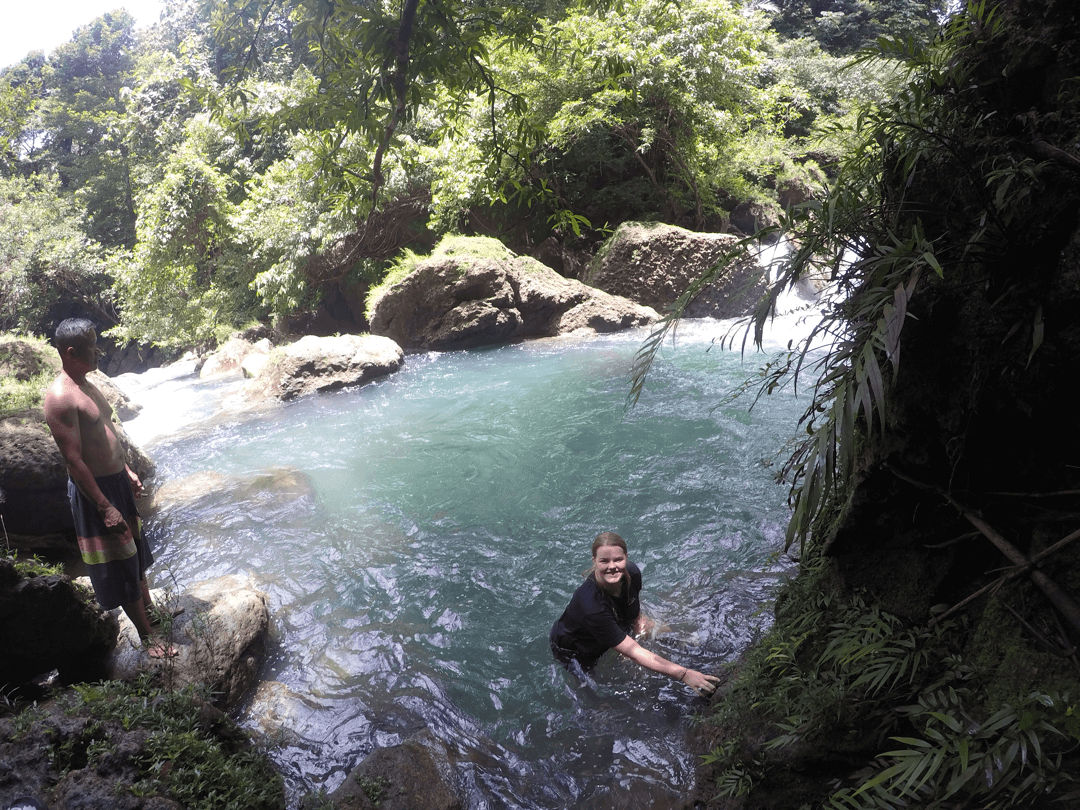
(982, 408)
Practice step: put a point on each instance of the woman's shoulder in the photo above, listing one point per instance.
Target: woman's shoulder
(589, 595)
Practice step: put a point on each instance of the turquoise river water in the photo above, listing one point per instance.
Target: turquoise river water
(418, 536)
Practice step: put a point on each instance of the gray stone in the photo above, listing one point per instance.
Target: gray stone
(415, 775)
(653, 264)
(33, 477)
(314, 364)
(48, 622)
(237, 354)
(220, 637)
(463, 301)
(120, 402)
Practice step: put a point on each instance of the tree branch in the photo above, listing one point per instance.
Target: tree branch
(1068, 607)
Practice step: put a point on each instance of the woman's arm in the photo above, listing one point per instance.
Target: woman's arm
(699, 682)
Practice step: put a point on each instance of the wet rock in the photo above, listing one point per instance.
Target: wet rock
(120, 402)
(48, 622)
(415, 775)
(792, 192)
(314, 364)
(653, 264)
(220, 637)
(461, 301)
(192, 492)
(237, 354)
(279, 711)
(750, 217)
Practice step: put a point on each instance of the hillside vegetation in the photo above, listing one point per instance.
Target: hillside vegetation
(255, 159)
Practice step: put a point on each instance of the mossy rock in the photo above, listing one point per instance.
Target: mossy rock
(27, 365)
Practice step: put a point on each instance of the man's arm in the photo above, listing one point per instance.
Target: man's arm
(63, 419)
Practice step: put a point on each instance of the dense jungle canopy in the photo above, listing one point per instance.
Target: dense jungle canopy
(253, 160)
(244, 159)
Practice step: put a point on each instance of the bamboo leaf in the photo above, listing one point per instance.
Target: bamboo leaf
(1038, 330)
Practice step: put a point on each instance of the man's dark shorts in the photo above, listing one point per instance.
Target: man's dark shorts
(115, 561)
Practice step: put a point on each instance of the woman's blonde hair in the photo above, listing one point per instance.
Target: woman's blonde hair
(607, 539)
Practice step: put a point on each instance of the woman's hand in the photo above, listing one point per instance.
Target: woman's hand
(700, 682)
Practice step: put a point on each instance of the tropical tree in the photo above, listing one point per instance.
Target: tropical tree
(49, 267)
(79, 118)
(184, 283)
(845, 26)
(627, 111)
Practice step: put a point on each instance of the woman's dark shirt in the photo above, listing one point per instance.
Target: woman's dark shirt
(595, 621)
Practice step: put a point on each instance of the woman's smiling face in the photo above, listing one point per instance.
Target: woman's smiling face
(609, 567)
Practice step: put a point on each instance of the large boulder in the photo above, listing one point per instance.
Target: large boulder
(47, 622)
(33, 482)
(120, 402)
(236, 355)
(415, 775)
(315, 363)
(463, 300)
(220, 635)
(653, 264)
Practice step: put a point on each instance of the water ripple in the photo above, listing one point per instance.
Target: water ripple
(418, 536)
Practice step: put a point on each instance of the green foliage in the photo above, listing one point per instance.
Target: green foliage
(185, 284)
(480, 247)
(32, 566)
(835, 668)
(845, 26)
(1011, 758)
(180, 759)
(624, 111)
(20, 87)
(47, 262)
(80, 114)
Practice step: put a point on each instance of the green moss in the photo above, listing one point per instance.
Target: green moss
(450, 246)
(1011, 662)
(374, 787)
(185, 757)
(479, 247)
(27, 366)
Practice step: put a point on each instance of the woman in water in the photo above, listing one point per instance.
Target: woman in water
(604, 613)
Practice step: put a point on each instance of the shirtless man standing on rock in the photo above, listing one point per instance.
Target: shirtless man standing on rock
(101, 486)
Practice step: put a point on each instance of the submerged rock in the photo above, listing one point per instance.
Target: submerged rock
(653, 264)
(415, 775)
(276, 484)
(462, 300)
(220, 637)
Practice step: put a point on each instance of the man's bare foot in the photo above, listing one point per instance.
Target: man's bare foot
(158, 648)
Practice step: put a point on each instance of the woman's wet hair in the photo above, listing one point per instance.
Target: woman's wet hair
(77, 332)
(608, 539)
